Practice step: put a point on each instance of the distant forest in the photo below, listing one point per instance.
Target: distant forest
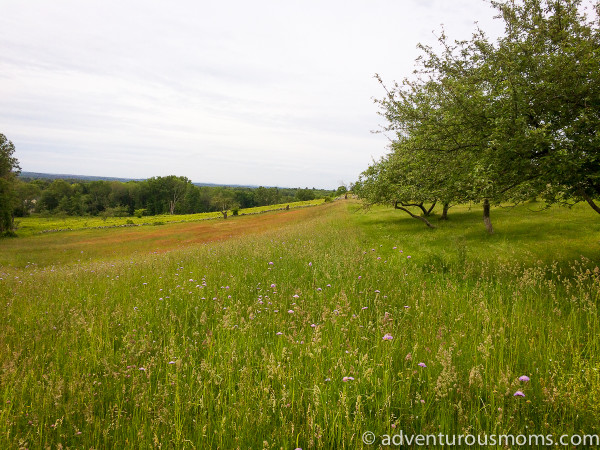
(157, 195)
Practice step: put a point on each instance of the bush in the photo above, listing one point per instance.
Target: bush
(328, 199)
(235, 211)
(139, 212)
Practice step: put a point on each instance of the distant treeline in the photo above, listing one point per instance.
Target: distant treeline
(157, 195)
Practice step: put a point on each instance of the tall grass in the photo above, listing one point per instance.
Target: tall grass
(277, 340)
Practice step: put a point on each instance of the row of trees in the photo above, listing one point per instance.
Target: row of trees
(157, 195)
(497, 122)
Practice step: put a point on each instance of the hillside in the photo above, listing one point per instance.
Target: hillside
(303, 329)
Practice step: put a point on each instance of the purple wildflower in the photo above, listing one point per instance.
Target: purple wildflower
(518, 394)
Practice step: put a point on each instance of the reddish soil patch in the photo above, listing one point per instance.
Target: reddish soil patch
(171, 236)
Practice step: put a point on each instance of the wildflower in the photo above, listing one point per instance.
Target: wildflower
(518, 394)
(319, 289)
(408, 257)
(364, 307)
(142, 369)
(273, 285)
(524, 378)
(394, 248)
(270, 263)
(171, 362)
(328, 285)
(309, 264)
(422, 364)
(377, 291)
(313, 326)
(388, 337)
(279, 333)
(291, 311)
(346, 379)
(359, 277)
(296, 296)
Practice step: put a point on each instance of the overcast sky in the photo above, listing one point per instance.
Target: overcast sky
(261, 92)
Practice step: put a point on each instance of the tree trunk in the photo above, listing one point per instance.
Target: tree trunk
(423, 219)
(590, 201)
(486, 216)
(431, 209)
(445, 211)
(224, 214)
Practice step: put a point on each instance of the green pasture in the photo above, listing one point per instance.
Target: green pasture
(309, 335)
(27, 226)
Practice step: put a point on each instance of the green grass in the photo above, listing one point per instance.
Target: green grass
(226, 365)
(27, 226)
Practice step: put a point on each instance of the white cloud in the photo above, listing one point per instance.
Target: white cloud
(263, 92)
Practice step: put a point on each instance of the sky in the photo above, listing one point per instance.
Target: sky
(261, 92)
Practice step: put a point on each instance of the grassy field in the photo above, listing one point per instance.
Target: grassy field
(27, 226)
(302, 329)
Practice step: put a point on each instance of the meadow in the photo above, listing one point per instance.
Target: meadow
(302, 333)
(35, 224)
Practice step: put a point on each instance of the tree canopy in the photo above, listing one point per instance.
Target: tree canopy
(498, 121)
(9, 168)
